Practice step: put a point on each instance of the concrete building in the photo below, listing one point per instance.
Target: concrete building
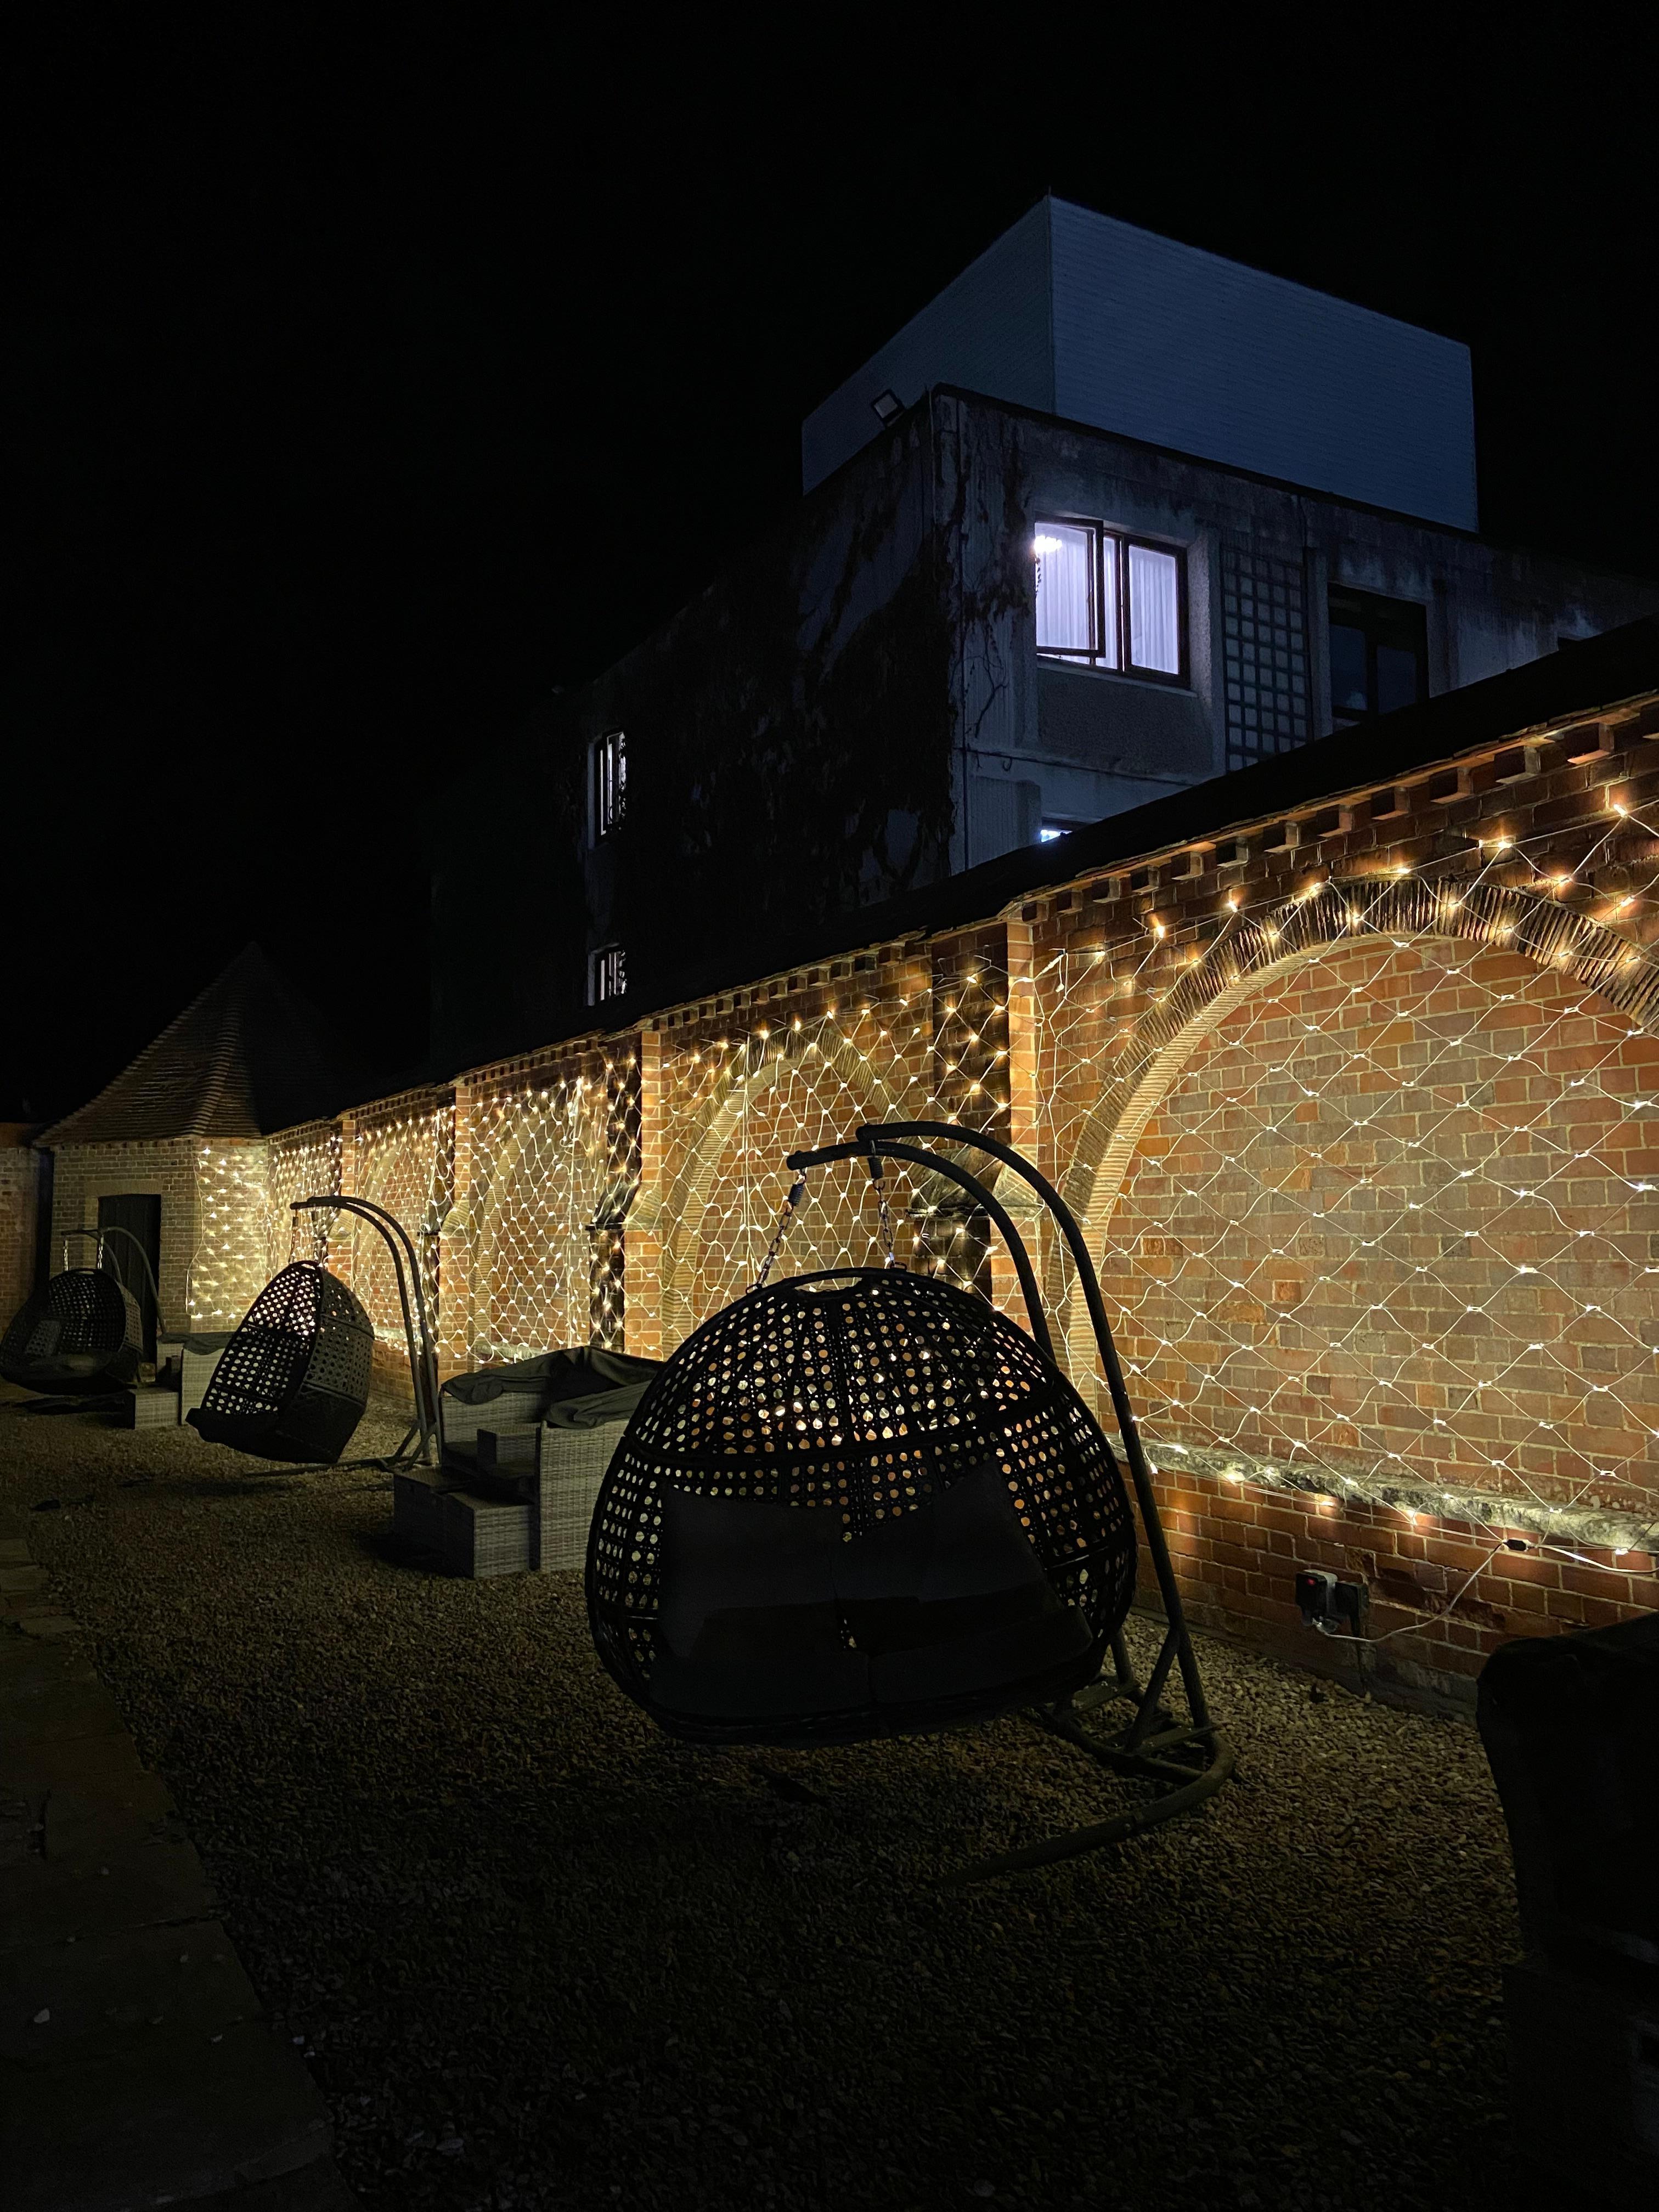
(1110, 516)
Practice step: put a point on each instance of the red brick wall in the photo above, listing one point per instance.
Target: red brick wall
(20, 1173)
(1282, 1075)
(178, 1171)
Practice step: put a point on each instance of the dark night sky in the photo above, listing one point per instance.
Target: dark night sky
(371, 373)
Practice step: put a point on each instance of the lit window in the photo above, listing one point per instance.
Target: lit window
(607, 973)
(608, 781)
(1379, 656)
(1108, 601)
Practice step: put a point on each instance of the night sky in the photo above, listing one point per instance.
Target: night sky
(372, 372)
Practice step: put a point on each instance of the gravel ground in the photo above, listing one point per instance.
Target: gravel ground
(536, 1954)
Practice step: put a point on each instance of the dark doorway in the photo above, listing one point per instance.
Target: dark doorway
(140, 1217)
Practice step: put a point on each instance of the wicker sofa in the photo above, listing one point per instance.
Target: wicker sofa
(525, 1448)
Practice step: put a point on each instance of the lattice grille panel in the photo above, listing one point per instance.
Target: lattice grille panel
(1265, 654)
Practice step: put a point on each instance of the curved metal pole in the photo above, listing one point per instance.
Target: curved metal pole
(1163, 1566)
(422, 1364)
(976, 1190)
(113, 1230)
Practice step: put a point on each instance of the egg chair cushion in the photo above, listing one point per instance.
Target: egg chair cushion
(83, 1333)
(292, 1383)
(857, 1504)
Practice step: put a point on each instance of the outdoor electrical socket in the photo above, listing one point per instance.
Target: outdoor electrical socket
(1314, 1588)
(1326, 1602)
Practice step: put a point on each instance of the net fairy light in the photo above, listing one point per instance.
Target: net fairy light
(400, 1156)
(1372, 1178)
(1369, 1163)
(553, 1162)
(734, 1106)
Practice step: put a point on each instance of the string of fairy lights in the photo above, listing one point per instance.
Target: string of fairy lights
(1362, 1267)
(542, 1265)
(1366, 1162)
(405, 1162)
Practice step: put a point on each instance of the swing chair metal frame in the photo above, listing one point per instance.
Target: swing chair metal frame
(55, 1400)
(417, 1333)
(1185, 1761)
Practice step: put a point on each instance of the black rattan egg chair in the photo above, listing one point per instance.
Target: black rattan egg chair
(293, 1381)
(865, 1504)
(83, 1333)
(858, 1506)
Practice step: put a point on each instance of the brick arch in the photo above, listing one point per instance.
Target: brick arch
(1516, 921)
(1129, 1202)
(685, 1249)
(383, 1173)
(548, 1315)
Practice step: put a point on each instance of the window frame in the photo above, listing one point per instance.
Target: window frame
(1179, 678)
(607, 769)
(1376, 614)
(607, 963)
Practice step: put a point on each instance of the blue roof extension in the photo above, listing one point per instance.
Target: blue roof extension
(1078, 315)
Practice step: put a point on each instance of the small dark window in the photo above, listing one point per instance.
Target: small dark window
(607, 973)
(607, 804)
(1110, 601)
(1379, 656)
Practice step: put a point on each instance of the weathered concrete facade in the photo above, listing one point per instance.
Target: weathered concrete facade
(858, 709)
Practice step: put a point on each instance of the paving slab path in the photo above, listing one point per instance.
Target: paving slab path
(137, 2065)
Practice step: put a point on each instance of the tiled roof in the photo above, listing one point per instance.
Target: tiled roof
(245, 1057)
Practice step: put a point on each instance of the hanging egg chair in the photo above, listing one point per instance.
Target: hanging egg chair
(857, 1504)
(83, 1335)
(865, 1504)
(293, 1381)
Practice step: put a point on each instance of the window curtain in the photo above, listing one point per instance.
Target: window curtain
(1154, 610)
(1065, 588)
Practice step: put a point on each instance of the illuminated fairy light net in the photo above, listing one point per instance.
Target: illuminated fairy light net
(228, 1267)
(735, 1107)
(543, 1203)
(1370, 1178)
(402, 1160)
(245, 1231)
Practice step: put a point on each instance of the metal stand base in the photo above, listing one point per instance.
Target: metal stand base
(1154, 1757)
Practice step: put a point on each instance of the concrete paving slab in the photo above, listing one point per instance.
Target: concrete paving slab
(50, 1694)
(314, 2188)
(91, 1843)
(137, 2071)
(143, 2075)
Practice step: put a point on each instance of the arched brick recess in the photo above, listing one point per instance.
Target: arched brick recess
(1279, 1188)
(536, 1184)
(723, 1202)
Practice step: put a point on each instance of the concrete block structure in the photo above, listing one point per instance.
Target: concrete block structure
(1110, 518)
